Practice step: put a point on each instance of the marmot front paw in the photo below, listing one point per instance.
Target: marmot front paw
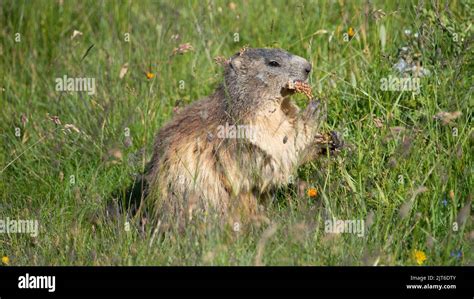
(312, 111)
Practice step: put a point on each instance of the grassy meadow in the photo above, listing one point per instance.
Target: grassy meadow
(407, 170)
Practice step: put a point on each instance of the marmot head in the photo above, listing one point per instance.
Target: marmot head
(254, 76)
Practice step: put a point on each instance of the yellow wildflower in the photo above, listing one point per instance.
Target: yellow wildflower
(150, 76)
(351, 32)
(5, 260)
(419, 256)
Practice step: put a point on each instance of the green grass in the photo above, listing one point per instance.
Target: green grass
(376, 175)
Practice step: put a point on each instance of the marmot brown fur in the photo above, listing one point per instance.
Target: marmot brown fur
(223, 153)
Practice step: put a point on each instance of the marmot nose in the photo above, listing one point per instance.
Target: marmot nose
(308, 68)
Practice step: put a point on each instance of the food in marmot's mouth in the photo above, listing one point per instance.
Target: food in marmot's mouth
(301, 87)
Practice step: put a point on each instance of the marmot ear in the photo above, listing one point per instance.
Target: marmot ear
(235, 63)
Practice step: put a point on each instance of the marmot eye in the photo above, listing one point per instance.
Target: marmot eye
(273, 63)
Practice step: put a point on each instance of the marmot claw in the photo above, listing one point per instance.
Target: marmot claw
(336, 141)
